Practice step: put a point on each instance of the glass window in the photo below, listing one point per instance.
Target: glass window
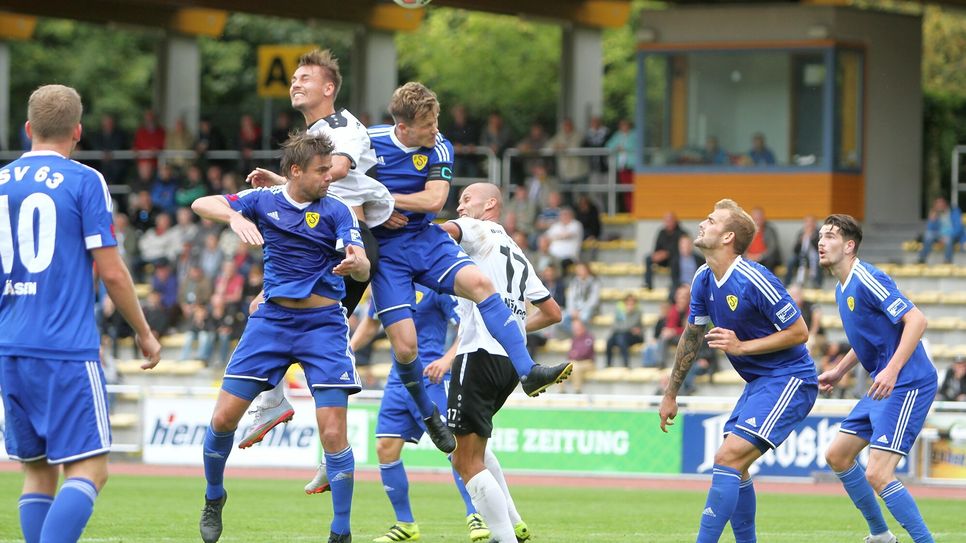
(751, 108)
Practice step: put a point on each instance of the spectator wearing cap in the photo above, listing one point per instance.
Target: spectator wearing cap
(953, 388)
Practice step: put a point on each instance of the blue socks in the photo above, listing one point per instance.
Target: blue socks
(33, 511)
(461, 486)
(863, 496)
(396, 484)
(743, 519)
(340, 467)
(69, 511)
(501, 324)
(722, 499)
(411, 376)
(904, 509)
(217, 447)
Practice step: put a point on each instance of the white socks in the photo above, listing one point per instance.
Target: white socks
(489, 500)
(493, 466)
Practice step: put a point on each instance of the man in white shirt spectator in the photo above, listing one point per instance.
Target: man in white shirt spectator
(565, 237)
(159, 242)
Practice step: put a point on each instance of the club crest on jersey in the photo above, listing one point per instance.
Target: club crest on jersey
(419, 296)
(732, 301)
(311, 218)
(851, 301)
(420, 161)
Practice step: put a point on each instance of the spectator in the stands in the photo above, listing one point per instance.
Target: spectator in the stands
(624, 144)
(764, 248)
(531, 145)
(192, 188)
(669, 327)
(164, 188)
(541, 185)
(713, 153)
(159, 242)
(144, 176)
(566, 236)
(588, 215)
(197, 328)
(626, 332)
(596, 137)
(165, 282)
(760, 154)
(945, 226)
(705, 363)
(185, 230)
(194, 291)
(685, 262)
(209, 139)
(227, 321)
(141, 210)
(522, 209)
(582, 354)
(570, 169)
(213, 176)
(211, 256)
(149, 139)
(230, 285)
(249, 139)
(832, 354)
(254, 281)
(953, 387)
(542, 258)
(108, 139)
(179, 139)
(281, 129)
(583, 296)
(127, 240)
(802, 266)
(156, 315)
(665, 247)
(464, 134)
(496, 135)
(548, 214)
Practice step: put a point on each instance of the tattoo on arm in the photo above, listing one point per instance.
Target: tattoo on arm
(688, 347)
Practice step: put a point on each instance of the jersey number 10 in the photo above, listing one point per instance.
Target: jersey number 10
(35, 253)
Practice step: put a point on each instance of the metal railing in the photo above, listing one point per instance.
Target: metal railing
(609, 188)
(956, 186)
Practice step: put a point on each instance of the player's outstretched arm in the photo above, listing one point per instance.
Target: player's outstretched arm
(545, 313)
(216, 208)
(727, 341)
(355, 264)
(260, 177)
(120, 287)
(429, 200)
(687, 351)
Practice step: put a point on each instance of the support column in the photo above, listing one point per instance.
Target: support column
(5, 142)
(582, 75)
(178, 87)
(374, 73)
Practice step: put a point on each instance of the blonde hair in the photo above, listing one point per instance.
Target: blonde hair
(329, 64)
(413, 101)
(739, 222)
(54, 111)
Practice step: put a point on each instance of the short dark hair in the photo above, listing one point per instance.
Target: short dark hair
(849, 228)
(301, 147)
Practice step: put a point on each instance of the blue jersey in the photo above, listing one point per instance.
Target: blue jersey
(53, 212)
(434, 314)
(303, 241)
(406, 170)
(871, 308)
(753, 303)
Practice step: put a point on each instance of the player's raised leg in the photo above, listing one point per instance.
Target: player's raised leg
(271, 409)
(471, 283)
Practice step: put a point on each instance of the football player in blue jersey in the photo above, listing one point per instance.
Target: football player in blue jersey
(756, 323)
(55, 226)
(885, 331)
(399, 419)
(415, 162)
(311, 241)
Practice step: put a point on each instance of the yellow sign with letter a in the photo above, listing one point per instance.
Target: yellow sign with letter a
(276, 64)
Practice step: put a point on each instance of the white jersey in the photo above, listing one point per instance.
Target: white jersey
(351, 140)
(513, 277)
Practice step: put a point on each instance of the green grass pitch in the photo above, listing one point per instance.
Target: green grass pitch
(166, 509)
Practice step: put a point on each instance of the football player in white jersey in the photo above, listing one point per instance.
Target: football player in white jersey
(483, 376)
(315, 86)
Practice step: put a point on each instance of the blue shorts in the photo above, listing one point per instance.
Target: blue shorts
(398, 415)
(429, 257)
(55, 409)
(770, 408)
(277, 337)
(894, 423)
